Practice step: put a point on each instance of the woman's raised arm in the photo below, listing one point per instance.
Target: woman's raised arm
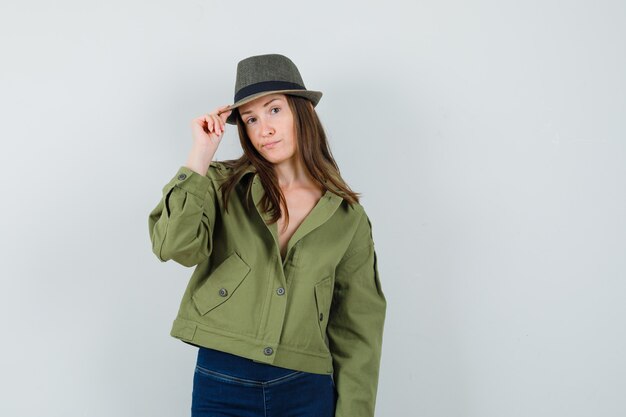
(181, 225)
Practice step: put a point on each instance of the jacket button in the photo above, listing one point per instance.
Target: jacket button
(223, 292)
(182, 176)
(280, 291)
(321, 316)
(268, 351)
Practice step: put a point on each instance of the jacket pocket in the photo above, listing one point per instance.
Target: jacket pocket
(221, 284)
(323, 297)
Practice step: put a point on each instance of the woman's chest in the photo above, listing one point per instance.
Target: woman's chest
(300, 203)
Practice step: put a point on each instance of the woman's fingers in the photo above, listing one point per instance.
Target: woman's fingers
(203, 122)
(217, 124)
(222, 109)
(223, 113)
(224, 116)
(210, 122)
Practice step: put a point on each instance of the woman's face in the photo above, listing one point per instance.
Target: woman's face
(270, 127)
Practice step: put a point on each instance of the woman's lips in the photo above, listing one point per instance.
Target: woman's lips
(271, 145)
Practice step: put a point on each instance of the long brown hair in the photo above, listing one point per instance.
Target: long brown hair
(311, 147)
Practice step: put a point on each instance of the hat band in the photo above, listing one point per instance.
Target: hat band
(266, 86)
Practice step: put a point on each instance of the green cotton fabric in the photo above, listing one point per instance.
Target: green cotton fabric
(320, 310)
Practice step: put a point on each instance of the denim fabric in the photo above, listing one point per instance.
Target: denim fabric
(227, 385)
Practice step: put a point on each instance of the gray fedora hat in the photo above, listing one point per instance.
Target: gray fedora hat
(261, 75)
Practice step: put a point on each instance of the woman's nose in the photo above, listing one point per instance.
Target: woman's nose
(266, 128)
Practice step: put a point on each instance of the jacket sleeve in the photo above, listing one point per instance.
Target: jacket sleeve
(355, 327)
(181, 225)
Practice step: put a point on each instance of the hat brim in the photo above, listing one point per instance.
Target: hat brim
(313, 96)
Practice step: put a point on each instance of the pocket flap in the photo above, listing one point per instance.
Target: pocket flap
(221, 284)
(323, 297)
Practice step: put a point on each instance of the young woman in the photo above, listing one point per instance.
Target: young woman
(285, 303)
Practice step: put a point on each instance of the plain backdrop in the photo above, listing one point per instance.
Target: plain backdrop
(488, 140)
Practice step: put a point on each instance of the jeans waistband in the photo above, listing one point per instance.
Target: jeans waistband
(239, 366)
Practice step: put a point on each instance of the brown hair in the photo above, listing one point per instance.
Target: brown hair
(312, 148)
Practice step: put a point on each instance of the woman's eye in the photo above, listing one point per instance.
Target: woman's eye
(252, 118)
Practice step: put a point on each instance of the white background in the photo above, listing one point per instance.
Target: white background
(488, 140)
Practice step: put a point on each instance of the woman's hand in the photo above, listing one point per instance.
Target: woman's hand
(208, 129)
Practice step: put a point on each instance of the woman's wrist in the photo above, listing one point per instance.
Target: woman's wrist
(200, 157)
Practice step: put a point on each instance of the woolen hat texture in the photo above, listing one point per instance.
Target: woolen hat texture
(261, 75)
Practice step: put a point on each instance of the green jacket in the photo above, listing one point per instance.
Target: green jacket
(321, 310)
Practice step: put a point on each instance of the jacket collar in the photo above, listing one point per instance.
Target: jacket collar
(321, 212)
(249, 169)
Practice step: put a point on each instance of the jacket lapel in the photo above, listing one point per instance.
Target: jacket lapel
(321, 212)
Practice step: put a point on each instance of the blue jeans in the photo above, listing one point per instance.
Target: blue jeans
(226, 385)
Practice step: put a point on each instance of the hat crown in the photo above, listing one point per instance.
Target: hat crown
(260, 75)
(266, 68)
